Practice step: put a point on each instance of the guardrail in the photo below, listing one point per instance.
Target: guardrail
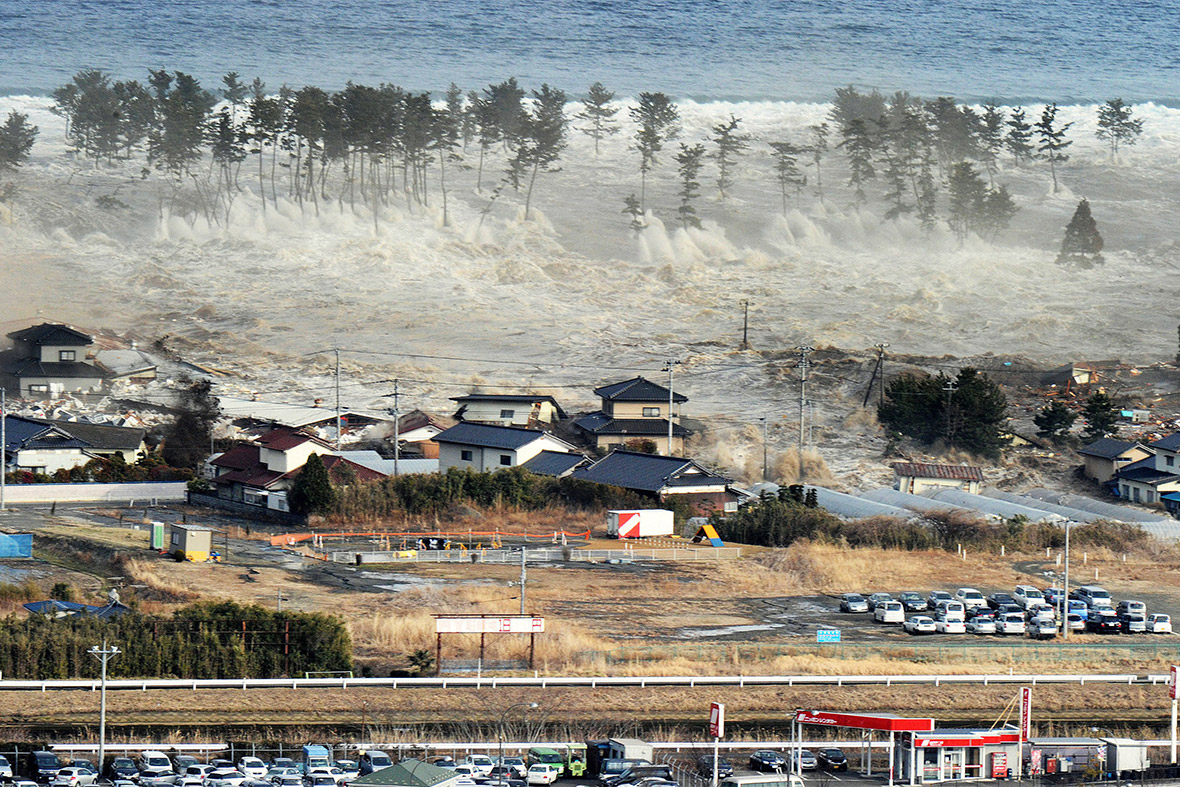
(535, 555)
(739, 681)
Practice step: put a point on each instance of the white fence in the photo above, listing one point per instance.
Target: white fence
(145, 493)
(588, 682)
(537, 555)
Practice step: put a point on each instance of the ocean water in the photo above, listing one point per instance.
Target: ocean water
(1070, 51)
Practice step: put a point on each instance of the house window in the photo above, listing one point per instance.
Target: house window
(1135, 493)
(465, 456)
(1169, 460)
(509, 414)
(506, 460)
(38, 389)
(731, 506)
(1150, 496)
(1126, 492)
(651, 412)
(66, 355)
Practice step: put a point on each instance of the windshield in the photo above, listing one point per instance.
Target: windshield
(380, 760)
(1097, 593)
(547, 756)
(48, 761)
(972, 594)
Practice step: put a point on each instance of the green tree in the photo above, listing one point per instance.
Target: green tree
(598, 114)
(543, 137)
(965, 412)
(632, 208)
(1082, 244)
(991, 139)
(1051, 140)
(657, 120)
(690, 159)
(1019, 137)
(187, 439)
(730, 144)
(1054, 420)
(966, 193)
(1101, 416)
(786, 169)
(819, 147)
(312, 491)
(17, 136)
(858, 145)
(1117, 126)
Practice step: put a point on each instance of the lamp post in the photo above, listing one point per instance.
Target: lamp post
(500, 731)
(103, 654)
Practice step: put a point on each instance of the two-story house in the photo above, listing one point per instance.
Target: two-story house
(528, 410)
(1105, 457)
(1148, 479)
(483, 447)
(632, 411)
(42, 446)
(663, 478)
(51, 359)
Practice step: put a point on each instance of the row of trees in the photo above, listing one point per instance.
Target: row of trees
(151, 466)
(968, 411)
(207, 640)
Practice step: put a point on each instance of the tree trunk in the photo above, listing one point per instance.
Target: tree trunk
(528, 195)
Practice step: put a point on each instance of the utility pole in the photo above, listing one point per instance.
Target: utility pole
(3, 442)
(745, 345)
(878, 372)
(1065, 588)
(950, 387)
(523, 572)
(803, 365)
(104, 655)
(397, 436)
(669, 365)
(765, 426)
(337, 398)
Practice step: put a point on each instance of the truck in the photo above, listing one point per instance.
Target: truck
(639, 523)
(315, 756)
(630, 748)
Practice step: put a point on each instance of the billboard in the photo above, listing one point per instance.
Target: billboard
(489, 624)
(1026, 713)
(1172, 682)
(717, 720)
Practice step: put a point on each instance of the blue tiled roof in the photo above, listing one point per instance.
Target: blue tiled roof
(637, 389)
(488, 436)
(553, 463)
(601, 423)
(1169, 443)
(28, 433)
(647, 472)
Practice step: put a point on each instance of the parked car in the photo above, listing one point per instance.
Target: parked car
(289, 781)
(195, 774)
(284, 762)
(1129, 607)
(372, 760)
(913, 602)
(470, 771)
(1133, 624)
(1094, 596)
(919, 624)
(1041, 628)
(6, 773)
(75, 777)
(222, 777)
(849, 602)
(182, 761)
(1040, 612)
(318, 780)
(122, 768)
(1159, 623)
(1100, 622)
(936, 597)
(996, 600)
(1027, 595)
(981, 624)
(273, 775)
(705, 767)
(152, 760)
(1008, 609)
(517, 765)
(1053, 595)
(767, 760)
(1075, 622)
(349, 768)
(970, 598)
(252, 767)
(952, 610)
(160, 779)
(806, 760)
(80, 762)
(889, 612)
(1078, 608)
(637, 773)
(543, 773)
(1010, 623)
(481, 762)
(877, 599)
(41, 766)
(444, 762)
(945, 625)
(832, 760)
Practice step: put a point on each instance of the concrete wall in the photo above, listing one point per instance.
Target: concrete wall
(168, 491)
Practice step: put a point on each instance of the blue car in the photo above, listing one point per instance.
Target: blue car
(1053, 596)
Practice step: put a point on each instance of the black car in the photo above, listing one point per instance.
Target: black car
(41, 766)
(997, 600)
(705, 767)
(122, 768)
(767, 760)
(832, 760)
(1104, 624)
(913, 602)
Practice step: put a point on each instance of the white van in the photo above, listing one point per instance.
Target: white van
(1027, 595)
(763, 780)
(154, 761)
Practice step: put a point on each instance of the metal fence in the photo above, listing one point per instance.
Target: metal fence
(562, 554)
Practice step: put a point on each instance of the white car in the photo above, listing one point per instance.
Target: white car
(981, 624)
(1075, 622)
(468, 770)
(1010, 623)
(195, 774)
(919, 624)
(333, 773)
(970, 598)
(1159, 623)
(225, 777)
(1027, 595)
(74, 777)
(481, 762)
(276, 774)
(953, 610)
(945, 625)
(889, 612)
(5, 768)
(544, 773)
(349, 768)
(252, 767)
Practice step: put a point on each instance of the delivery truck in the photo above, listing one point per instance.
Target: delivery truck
(639, 523)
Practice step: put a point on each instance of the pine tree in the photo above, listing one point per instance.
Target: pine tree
(544, 136)
(1019, 138)
(312, 492)
(598, 114)
(1101, 416)
(730, 144)
(927, 196)
(1051, 140)
(632, 208)
(856, 141)
(187, 439)
(991, 140)
(658, 121)
(996, 212)
(1054, 420)
(1082, 244)
(819, 147)
(17, 136)
(1116, 126)
(966, 193)
(507, 105)
(690, 160)
(786, 169)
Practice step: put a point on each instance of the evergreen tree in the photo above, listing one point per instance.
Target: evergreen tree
(851, 105)
(506, 101)
(187, 439)
(819, 147)
(1019, 138)
(857, 143)
(690, 160)
(1051, 140)
(1101, 416)
(996, 212)
(1054, 420)
(17, 136)
(966, 193)
(927, 192)
(1082, 244)
(956, 131)
(1117, 126)
(991, 140)
(598, 114)
(312, 492)
(657, 119)
(234, 93)
(488, 132)
(543, 137)
(786, 169)
(91, 109)
(632, 208)
(968, 414)
(445, 140)
(176, 140)
(730, 144)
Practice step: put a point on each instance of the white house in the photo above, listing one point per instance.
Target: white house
(1148, 479)
(50, 359)
(483, 448)
(919, 477)
(508, 409)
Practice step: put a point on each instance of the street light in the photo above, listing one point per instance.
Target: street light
(500, 730)
(103, 654)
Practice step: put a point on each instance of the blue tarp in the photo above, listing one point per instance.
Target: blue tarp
(61, 609)
(16, 545)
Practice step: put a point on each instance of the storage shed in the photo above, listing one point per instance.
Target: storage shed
(191, 542)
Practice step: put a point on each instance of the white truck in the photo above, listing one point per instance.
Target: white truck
(639, 523)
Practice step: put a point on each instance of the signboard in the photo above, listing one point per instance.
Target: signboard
(864, 721)
(987, 739)
(1026, 713)
(827, 635)
(1172, 682)
(509, 624)
(717, 720)
(1036, 757)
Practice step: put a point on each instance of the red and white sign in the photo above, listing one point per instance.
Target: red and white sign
(864, 721)
(717, 720)
(1026, 713)
(999, 765)
(1172, 682)
(976, 739)
(640, 523)
(508, 624)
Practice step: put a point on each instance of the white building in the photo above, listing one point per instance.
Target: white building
(484, 448)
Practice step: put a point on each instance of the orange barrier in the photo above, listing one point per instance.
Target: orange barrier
(290, 539)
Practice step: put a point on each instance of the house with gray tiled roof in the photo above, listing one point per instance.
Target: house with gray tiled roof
(1149, 479)
(484, 447)
(632, 411)
(919, 477)
(48, 360)
(663, 478)
(1104, 457)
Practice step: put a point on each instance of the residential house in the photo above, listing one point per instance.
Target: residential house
(250, 413)
(483, 447)
(42, 446)
(635, 410)
(555, 463)
(528, 410)
(663, 478)
(51, 359)
(918, 478)
(1106, 456)
(133, 366)
(417, 430)
(1146, 480)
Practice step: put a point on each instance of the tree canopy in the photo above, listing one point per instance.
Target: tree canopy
(967, 411)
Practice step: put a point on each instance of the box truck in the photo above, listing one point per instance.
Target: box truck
(639, 523)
